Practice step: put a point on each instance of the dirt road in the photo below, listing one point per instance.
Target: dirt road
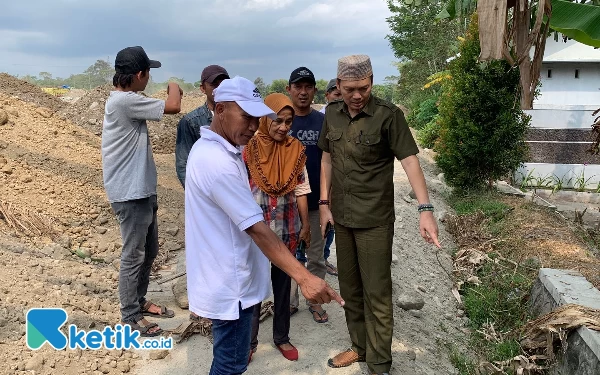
(419, 336)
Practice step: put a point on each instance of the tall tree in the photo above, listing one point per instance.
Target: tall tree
(278, 85)
(99, 73)
(421, 43)
(511, 30)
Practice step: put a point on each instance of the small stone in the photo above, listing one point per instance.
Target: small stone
(421, 288)
(7, 169)
(103, 220)
(35, 363)
(44, 112)
(416, 313)
(412, 195)
(442, 177)
(410, 301)
(172, 231)
(101, 230)
(3, 117)
(394, 259)
(158, 354)
(442, 215)
(407, 199)
(116, 263)
(94, 105)
(113, 364)
(412, 355)
(92, 121)
(2, 160)
(104, 369)
(448, 316)
(26, 179)
(171, 246)
(123, 366)
(84, 252)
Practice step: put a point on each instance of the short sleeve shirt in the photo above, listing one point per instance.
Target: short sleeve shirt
(362, 151)
(225, 268)
(128, 166)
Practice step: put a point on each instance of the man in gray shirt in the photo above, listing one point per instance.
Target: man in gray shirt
(129, 176)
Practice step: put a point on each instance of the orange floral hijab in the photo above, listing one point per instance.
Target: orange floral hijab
(275, 166)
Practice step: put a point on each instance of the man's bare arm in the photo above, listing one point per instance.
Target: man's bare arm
(314, 289)
(173, 102)
(428, 225)
(325, 215)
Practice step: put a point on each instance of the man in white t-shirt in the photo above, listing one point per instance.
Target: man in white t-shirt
(228, 245)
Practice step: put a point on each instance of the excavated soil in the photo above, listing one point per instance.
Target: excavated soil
(88, 112)
(52, 205)
(25, 91)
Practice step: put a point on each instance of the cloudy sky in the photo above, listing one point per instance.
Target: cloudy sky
(251, 38)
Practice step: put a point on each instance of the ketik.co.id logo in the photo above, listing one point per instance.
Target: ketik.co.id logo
(44, 324)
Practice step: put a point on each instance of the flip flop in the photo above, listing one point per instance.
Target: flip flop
(331, 269)
(319, 313)
(143, 329)
(164, 312)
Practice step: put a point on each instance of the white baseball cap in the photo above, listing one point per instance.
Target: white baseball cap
(245, 94)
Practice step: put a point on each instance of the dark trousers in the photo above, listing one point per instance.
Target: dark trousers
(139, 233)
(364, 258)
(281, 319)
(231, 344)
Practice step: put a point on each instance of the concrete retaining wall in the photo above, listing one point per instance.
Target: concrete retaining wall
(558, 287)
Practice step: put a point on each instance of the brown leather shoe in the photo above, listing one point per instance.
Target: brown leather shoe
(345, 359)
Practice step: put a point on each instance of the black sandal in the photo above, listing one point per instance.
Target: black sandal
(144, 329)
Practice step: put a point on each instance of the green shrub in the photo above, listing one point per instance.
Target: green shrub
(424, 112)
(429, 134)
(482, 128)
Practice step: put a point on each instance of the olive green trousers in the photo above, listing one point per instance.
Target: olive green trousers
(364, 258)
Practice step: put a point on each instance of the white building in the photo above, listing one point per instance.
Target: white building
(561, 117)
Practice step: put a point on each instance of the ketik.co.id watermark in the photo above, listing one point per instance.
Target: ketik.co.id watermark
(44, 325)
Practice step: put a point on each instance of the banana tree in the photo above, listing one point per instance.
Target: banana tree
(512, 29)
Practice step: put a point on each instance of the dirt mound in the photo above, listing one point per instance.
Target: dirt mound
(59, 237)
(25, 91)
(164, 133)
(88, 110)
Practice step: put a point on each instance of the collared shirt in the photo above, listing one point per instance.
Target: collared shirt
(224, 266)
(188, 132)
(362, 150)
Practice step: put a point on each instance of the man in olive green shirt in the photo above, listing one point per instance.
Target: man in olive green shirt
(360, 138)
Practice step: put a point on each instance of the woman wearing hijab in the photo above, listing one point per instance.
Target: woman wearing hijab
(279, 183)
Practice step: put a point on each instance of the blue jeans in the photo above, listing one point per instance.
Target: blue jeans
(328, 242)
(231, 344)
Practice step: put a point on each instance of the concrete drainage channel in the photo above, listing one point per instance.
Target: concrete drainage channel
(555, 288)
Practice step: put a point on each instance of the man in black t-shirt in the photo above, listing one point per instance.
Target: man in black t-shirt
(306, 127)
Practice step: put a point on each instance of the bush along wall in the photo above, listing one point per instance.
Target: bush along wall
(482, 128)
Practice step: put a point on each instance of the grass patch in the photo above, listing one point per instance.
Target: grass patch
(504, 241)
(489, 203)
(460, 361)
(497, 307)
